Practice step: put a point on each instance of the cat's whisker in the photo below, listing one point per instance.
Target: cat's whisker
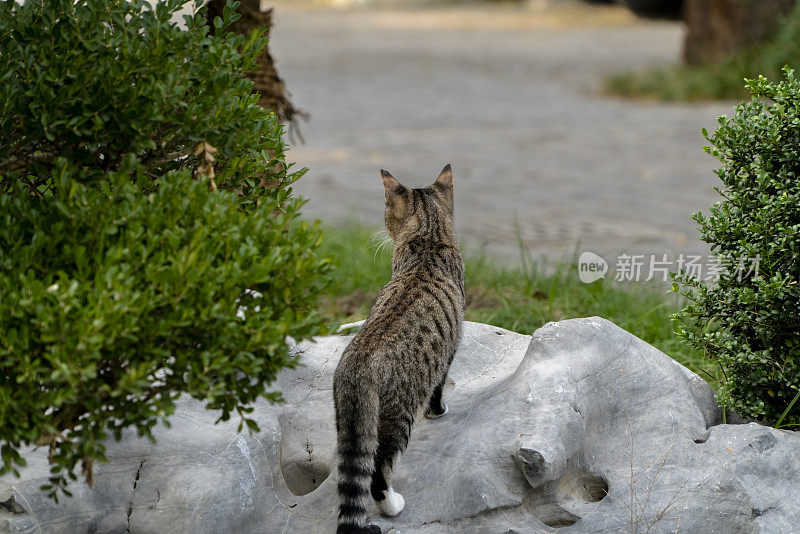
(386, 241)
(378, 238)
(378, 250)
(376, 235)
(376, 244)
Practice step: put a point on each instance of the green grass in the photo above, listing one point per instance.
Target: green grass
(519, 295)
(717, 81)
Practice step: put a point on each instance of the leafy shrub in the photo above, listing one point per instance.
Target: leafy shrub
(123, 266)
(751, 322)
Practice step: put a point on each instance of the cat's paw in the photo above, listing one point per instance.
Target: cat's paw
(392, 503)
(430, 413)
(371, 528)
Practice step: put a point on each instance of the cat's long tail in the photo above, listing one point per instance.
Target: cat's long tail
(357, 417)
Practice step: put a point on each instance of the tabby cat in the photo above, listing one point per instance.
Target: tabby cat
(398, 362)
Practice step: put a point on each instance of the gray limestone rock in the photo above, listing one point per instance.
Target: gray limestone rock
(581, 427)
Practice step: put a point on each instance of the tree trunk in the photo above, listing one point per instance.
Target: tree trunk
(718, 28)
(270, 87)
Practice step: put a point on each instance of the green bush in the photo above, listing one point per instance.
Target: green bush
(125, 264)
(751, 322)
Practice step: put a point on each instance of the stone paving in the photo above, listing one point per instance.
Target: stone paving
(512, 98)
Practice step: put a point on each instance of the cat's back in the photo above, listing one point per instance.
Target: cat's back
(417, 310)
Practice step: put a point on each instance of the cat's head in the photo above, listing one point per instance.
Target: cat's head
(426, 212)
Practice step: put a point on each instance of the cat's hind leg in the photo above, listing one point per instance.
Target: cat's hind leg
(436, 406)
(392, 441)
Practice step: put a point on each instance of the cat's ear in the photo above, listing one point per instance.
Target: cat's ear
(391, 186)
(446, 176)
(395, 194)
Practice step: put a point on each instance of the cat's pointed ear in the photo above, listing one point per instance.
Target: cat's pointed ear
(446, 176)
(395, 195)
(391, 186)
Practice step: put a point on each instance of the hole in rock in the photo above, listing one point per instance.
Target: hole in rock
(703, 438)
(594, 488)
(11, 506)
(306, 454)
(583, 486)
(555, 516)
(304, 475)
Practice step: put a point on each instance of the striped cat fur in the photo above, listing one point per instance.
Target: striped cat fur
(397, 364)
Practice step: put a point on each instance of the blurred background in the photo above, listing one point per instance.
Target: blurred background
(572, 126)
(567, 122)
